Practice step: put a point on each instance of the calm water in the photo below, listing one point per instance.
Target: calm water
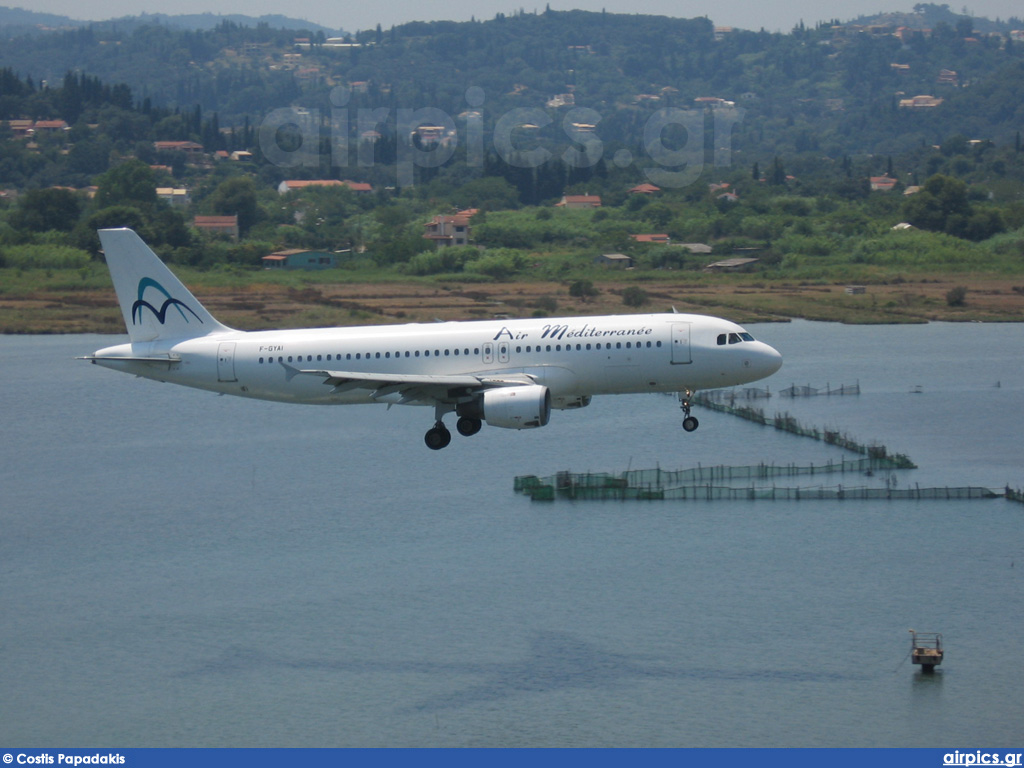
(182, 569)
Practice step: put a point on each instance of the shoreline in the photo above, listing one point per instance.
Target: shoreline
(258, 305)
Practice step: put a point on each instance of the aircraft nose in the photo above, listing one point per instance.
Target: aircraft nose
(771, 359)
(765, 360)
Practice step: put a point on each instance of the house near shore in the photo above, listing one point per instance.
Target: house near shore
(218, 225)
(450, 230)
(658, 239)
(615, 261)
(644, 189)
(177, 197)
(579, 201)
(292, 185)
(730, 265)
(300, 258)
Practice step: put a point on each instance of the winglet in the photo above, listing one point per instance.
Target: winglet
(154, 303)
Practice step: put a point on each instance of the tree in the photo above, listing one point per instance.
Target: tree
(634, 296)
(583, 290)
(236, 196)
(942, 205)
(90, 156)
(658, 214)
(131, 183)
(956, 296)
(939, 199)
(490, 193)
(43, 210)
(116, 216)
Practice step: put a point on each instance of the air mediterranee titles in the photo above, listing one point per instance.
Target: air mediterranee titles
(585, 331)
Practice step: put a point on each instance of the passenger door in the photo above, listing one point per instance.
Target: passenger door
(681, 344)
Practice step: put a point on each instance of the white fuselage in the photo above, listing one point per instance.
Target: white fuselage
(573, 357)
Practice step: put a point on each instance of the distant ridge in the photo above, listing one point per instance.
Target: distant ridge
(928, 15)
(211, 20)
(21, 20)
(19, 17)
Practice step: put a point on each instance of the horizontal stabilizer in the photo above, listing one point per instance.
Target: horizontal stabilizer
(166, 359)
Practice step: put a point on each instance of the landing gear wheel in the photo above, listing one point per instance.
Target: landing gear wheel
(468, 426)
(690, 423)
(437, 437)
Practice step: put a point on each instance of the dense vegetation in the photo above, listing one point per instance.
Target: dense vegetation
(815, 114)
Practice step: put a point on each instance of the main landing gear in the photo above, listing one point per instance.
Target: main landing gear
(690, 423)
(439, 437)
(468, 426)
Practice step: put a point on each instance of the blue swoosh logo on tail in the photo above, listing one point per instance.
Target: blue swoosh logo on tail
(160, 314)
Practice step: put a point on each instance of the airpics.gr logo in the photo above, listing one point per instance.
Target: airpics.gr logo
(169, 301)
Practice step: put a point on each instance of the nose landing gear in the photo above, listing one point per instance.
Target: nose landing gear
(690, 423)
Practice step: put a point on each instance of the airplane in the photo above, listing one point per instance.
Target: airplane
(505, 373)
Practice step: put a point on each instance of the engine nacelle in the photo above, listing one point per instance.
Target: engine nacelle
(516, 407)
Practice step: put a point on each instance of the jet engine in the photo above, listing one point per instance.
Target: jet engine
(515, 407)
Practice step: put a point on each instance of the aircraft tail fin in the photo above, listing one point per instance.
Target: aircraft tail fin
(155, 304)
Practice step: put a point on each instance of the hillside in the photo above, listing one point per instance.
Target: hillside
(18, 21)
(833, 90)
(555, 145)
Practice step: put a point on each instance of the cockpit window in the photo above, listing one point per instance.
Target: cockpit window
(733, 338)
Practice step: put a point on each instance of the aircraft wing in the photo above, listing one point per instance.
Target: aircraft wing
(417, 386)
